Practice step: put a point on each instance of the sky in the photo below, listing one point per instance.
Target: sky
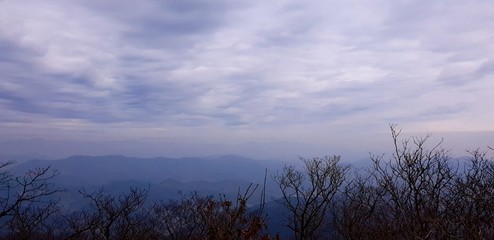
(329, 73)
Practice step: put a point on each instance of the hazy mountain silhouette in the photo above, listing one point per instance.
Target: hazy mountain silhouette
(91, 170)
(167, 178)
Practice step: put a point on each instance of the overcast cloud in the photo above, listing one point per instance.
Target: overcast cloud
(244, 70)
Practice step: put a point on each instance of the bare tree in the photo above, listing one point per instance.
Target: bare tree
(179, 219)
(308, 194)
(199, 217)
(112, 217)
(416, 183)
(78, 225)
(420, 193)
(26, 201)
(360, 212)
(33, 220)
(18, 190)
(472, 206)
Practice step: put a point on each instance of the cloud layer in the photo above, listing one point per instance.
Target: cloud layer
(252, 69)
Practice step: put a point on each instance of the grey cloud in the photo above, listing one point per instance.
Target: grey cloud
(64, 107)
(486, 69)
(13, 53)
(13, 101)
(151, 100)
(243, 64)
(458, 77)
(46, 96)
(443, 111)
(436, 26)
(15, 60)
(455, 79)
(165, 24)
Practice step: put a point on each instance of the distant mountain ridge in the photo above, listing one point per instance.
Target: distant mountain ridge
(90, 170)
(166, 178)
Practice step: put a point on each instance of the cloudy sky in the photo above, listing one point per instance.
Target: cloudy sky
(226, 71)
